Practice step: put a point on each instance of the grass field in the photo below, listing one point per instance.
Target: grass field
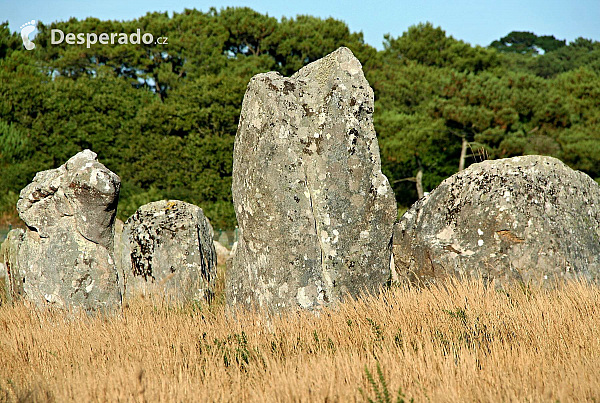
(461, 342)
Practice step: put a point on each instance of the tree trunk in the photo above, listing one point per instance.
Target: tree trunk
(419, 181)
(463, 154)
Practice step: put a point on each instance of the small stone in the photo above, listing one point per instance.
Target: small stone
(9, 252)
(167, 250)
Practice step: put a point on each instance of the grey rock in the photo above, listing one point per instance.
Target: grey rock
(168, 251)
(530, 220)
(9, 251)
(82, 189)
(314, 210)
(65, 256)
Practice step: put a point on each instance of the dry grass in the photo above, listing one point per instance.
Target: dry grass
(459, 343)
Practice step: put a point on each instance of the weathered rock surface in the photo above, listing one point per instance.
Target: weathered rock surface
(167, 250)
(314, 210)
(65, 256)
(9, 250)
(526, 219)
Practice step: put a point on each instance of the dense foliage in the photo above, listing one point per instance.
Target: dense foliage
(164, 117)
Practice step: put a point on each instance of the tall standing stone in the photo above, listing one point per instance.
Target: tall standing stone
(314, 210)
(530, 220)
(167, 250)
(65, 257)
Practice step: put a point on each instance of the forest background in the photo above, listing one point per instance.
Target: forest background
(164, 117)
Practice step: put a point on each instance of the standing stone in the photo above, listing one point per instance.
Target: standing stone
(9, 250)
(65, 256)
(529, 220)
(314, 210)
(168, 251)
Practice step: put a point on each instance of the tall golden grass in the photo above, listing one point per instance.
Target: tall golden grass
(454, 343)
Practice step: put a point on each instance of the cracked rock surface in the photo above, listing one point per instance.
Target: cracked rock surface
(65, 257)
(314, 210)
(167, 249)
(528, 219)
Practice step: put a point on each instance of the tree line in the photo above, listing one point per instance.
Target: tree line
(164, 117)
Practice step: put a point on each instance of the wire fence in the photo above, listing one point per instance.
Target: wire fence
(226, 237)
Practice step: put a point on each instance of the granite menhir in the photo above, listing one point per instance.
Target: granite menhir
(314, 210)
